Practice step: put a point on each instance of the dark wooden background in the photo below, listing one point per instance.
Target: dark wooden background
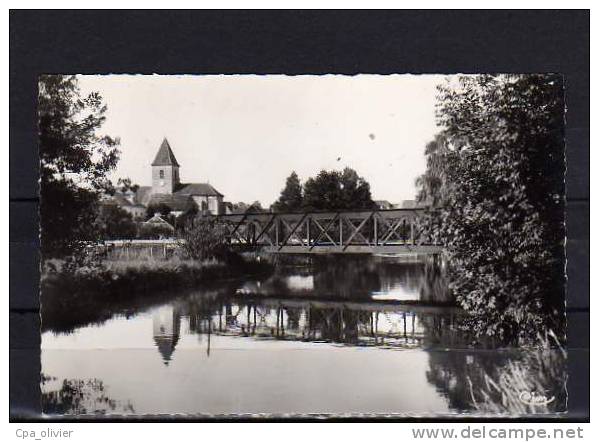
(291, 42)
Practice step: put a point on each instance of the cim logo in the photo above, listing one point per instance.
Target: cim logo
(534, 398)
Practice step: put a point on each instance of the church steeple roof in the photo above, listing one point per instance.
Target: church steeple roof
(165, 156)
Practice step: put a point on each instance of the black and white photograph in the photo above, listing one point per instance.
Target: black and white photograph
(307, 216)
(303, 245)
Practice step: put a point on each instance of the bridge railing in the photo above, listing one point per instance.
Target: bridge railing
(342, 231)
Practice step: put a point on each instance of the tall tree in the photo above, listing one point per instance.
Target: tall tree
(291, 196)
(74, 162)
(115, 223)
(125, 184)
(433, 187)
(497, 180)
(333, 190)
(355, 191)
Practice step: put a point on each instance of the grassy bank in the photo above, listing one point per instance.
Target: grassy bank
(131, 276)
(93, 295)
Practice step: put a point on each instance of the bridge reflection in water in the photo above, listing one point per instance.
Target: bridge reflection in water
(359, 301)
(456, 369)
(382, 333)
(380, 324)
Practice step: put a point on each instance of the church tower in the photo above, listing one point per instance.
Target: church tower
(165, 170)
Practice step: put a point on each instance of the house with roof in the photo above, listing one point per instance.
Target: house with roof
(168, 190)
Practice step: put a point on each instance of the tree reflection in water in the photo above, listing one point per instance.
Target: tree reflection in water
(80, 396)
(515, 382)
(533, 383)
(332, 301)
(472, 379)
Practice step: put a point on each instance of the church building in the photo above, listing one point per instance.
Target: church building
(168, 190)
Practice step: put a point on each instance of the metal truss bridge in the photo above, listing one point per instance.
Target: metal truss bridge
(394, 231)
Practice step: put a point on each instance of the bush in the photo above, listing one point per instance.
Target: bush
(87, 259)
(115, 223)
(204, 239)
(154, 231)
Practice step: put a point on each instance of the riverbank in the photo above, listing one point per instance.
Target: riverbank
(96, 294)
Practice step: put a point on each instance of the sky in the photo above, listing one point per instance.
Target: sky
(244, 134)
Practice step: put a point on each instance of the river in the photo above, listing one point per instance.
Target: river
(343, 336)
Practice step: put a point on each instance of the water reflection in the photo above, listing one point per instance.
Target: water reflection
(502, 382)
(349, 318)
(80, 396)
(348, 323)
(358, 278)
(166, 326)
